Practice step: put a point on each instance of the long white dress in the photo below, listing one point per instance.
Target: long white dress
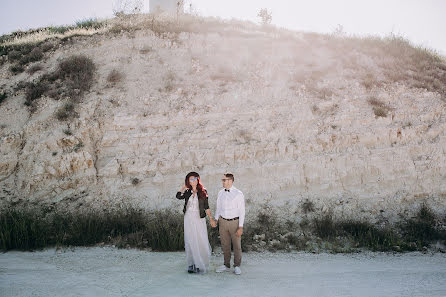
(196, 242)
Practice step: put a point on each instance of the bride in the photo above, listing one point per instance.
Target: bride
(196, 207)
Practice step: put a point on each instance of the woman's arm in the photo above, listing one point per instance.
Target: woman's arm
(206, 200)
(179, 195)
(181, 192)
(211, 219)
(208, 211)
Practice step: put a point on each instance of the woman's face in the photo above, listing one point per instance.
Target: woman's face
(193, 181)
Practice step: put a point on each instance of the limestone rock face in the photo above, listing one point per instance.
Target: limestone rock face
(10, 146)
(290, 118)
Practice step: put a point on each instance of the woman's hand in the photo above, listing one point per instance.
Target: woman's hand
(213, 223)
(183, 189)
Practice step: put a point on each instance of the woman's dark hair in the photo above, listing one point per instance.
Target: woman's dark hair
(202, 194)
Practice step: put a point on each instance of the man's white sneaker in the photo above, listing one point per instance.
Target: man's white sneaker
(222, 268)
(237, 270)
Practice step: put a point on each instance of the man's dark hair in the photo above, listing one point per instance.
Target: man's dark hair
(229, 175)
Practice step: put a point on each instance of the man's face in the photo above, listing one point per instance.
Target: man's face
(227, 182)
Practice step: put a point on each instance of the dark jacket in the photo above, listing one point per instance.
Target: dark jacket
(203, 204)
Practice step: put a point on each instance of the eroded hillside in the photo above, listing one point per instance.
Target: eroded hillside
(356, 125)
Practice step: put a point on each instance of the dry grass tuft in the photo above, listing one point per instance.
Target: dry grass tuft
(369, 81)
(73, 77)
(169, 82)
(37, 36)
(145, 50)
(115, 76)
(376, 102)
(77, 71)
(35, 90)
(66, 112)
(16, 69)
(34, 68)
(404, 62)
(380, 112)
(380, 109)
(308, 206)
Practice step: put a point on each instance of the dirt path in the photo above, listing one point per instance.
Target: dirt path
(112, 272)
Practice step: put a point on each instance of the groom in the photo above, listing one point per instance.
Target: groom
(230, 215)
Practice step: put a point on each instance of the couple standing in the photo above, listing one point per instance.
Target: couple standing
(230, 216)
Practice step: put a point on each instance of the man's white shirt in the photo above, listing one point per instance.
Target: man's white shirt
(231, 205)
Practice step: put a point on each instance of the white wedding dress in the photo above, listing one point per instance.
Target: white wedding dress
(196, 242)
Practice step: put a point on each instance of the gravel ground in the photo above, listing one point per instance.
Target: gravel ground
(107, 271)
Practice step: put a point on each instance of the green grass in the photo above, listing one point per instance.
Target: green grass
(59, 29)
(422, 229)
(367, 235)
(162, 230)
(325, 232)
(89, 23)
(85, 23)
(325, 227)
(31, 229)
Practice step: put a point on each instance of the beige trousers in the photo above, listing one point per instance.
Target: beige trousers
(227, 234)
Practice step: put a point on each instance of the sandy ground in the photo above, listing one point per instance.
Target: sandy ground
(109, 271)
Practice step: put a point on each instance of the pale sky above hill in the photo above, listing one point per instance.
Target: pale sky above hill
(420, 21)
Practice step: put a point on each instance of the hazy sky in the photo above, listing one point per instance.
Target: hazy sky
(421, 21)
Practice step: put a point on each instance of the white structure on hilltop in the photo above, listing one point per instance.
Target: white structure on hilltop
(169, 6)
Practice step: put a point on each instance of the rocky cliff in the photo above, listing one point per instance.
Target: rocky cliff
(355, 125)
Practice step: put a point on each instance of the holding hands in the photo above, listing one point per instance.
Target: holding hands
(239, 232)
(212, 221)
